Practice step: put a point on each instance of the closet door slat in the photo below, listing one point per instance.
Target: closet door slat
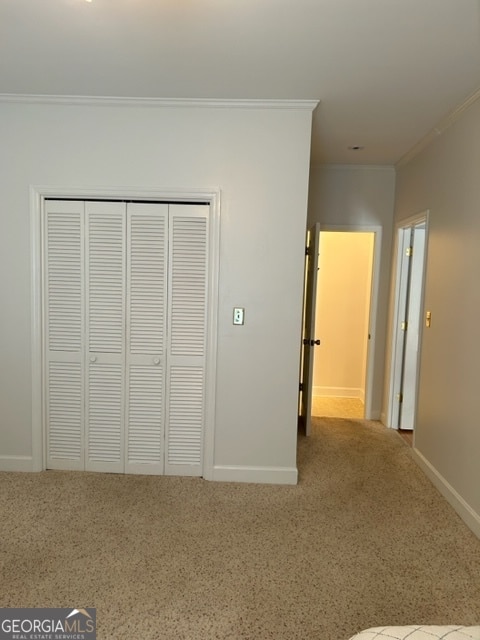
(188, 285)
(147, 264)
(188, 298)
(105, 332)
(185, 425)
(64, 330)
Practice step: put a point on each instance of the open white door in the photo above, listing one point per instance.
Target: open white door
(403, 277)
(411, 250)
(309, 340)
(410, 364)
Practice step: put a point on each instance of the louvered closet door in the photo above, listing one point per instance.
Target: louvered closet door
(186, 358)
(126, 291)
(105, 335)
(64, 330)
(147, 244)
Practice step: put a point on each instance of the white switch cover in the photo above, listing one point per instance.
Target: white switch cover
(238, 315)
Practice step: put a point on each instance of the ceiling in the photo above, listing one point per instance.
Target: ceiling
(385, 71)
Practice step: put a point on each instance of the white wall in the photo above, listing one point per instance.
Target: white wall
(360, 195)
(444, 178)
(342, 313)
(258, 158)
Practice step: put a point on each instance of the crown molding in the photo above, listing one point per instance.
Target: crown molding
(444, 124)
(352, 167)
(168, 103)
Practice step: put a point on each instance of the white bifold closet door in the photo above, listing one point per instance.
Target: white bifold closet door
(125, 320)
(64, 326)
(105, 271)
(147, 267)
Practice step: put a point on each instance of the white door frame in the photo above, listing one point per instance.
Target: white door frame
(372, 323)
(38, 194)
(401, 228)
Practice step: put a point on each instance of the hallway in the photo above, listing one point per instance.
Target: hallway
(333, 407)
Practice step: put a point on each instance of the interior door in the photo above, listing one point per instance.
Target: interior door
(126, 304)
(412, 333)
(64, 334)
(187, 339)
(403, 277)
(146, 325)
(309, 340)
(105, 335)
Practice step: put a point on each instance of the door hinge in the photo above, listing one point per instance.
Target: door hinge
(307, 251)
(400, 397)
(409, 252)
(300, 386)
(404, 325)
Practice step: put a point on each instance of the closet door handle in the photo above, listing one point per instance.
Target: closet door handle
(156, 361)
(93, 358)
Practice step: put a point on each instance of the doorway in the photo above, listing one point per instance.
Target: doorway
(340, 319)
(343, 299)
(411, 243)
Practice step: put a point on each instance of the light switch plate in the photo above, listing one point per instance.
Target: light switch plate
(238, 315)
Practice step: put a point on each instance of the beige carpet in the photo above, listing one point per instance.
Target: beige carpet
(363, 540)
(333, 407)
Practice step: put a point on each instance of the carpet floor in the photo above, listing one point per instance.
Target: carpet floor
(363, 540)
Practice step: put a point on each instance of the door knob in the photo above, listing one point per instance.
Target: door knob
(93, 358)
(156, 361)
(313, 342)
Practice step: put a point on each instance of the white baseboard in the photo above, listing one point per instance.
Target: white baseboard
(464, 510)
(16, 463)
(339, 392)
(261, 475)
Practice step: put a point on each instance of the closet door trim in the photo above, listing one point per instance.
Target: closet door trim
(38, 195)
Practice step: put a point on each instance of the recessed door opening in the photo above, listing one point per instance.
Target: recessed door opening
(342, 319)
(407, 326)
(125, 332)
(341, 286)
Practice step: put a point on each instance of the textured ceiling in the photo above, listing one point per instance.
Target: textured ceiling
(385, 71)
